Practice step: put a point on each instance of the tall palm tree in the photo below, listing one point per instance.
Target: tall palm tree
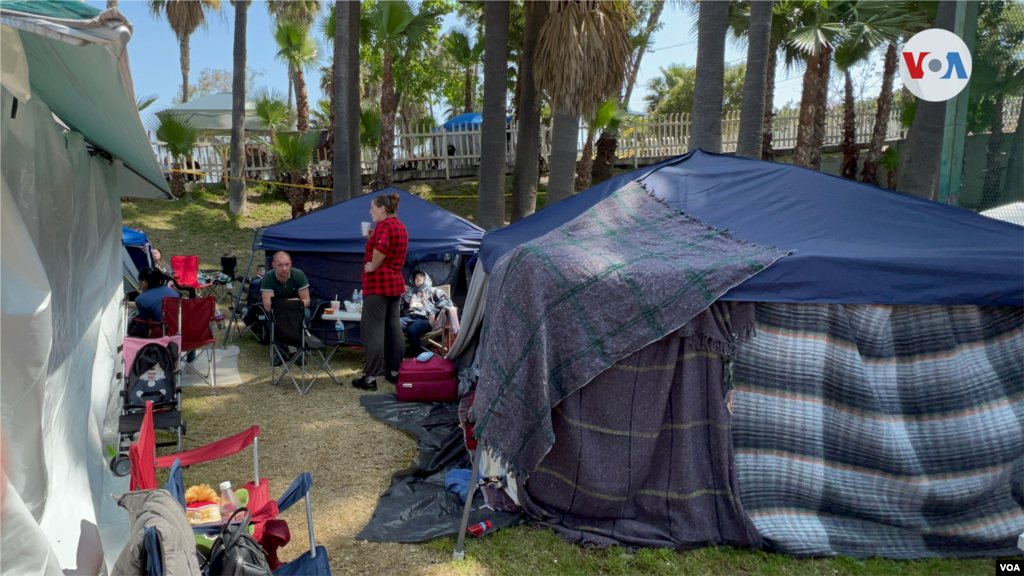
(236, 186)
(185, 17)
(466, 53)
(297, 48)
(490, 209)
(706, 120)
(921, 151)
(582, 54)
(819, 32)
(293, 153)
(759, 49)
(342, 21)
(869, 171)
(301, 11)
(393, 26)
(177, 137)
(525, 174)
(272, 111)
(642, 42)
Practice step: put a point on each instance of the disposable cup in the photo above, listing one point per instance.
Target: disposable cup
(335, 305)
(366, 228)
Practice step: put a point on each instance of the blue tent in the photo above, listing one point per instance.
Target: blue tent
(854, 243)
(137, 245)
(469, 120)
(328, 245)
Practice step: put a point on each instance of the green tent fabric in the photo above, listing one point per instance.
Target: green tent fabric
(83, 76)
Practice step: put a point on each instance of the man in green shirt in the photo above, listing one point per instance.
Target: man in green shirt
(286, 282)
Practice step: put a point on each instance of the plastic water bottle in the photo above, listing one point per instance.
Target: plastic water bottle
(339, 326)
(228, 502)
(355, 296)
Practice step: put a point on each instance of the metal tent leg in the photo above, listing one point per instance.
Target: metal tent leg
(238, 301)
(460, 551)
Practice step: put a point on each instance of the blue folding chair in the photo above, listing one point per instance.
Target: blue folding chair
(314, 562)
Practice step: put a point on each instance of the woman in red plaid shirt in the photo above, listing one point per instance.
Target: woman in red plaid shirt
(383, 287)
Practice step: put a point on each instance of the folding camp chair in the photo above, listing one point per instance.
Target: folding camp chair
(440, 339)
(287, 328)
(193, 316)
(186, 273)
(223, 283)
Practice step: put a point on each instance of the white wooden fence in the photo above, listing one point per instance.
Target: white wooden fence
(640, 138)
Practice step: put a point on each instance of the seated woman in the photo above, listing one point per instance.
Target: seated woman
(419, 306)
(153, 284)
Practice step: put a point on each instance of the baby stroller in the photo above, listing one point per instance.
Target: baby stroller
(151, 374)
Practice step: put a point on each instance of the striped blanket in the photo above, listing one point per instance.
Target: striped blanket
(565, 307)
(894, 431)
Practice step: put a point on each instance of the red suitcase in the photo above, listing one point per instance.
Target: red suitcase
(430, 381)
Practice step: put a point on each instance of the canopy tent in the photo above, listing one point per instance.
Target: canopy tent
(328, 244)
(835, 451)
(213, 113)
(1012, 213)
(62, 275)
(467, 121)
(853, 243)
(136, 245)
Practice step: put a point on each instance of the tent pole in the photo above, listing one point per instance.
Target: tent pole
(238, 301)
(460, 551)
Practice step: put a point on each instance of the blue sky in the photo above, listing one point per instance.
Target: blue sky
(156, 69)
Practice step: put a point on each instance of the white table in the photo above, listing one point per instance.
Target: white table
(344, 316)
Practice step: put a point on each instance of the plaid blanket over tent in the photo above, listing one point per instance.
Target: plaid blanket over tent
(893, 431)
(565, 307)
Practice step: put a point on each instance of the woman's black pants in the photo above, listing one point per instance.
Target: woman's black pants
(381, 330)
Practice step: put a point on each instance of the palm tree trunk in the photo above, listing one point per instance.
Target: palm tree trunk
(604, 157)
(291, 84)
(565, 132)
(526, 171)
(813, 100)
(849, 146)
(183, 46)
(355, 150)
(490, 210)
(585, 164)
(386, 153)
(768, 121)
(468, 104)
(301, 101)
(177, 181)
(340, 164)
(752, 106)
(296, 196)
(869, 173)
(993, 184)
(236, 187)
(921, 152)
(709, 85)
(652, 23)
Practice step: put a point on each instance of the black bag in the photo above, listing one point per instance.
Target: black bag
(161, 390)
(235, 553)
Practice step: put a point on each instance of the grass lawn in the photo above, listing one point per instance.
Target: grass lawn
(352, 456)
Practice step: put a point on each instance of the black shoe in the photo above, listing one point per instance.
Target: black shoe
(277, 361)
(362, 384)
(390, 378)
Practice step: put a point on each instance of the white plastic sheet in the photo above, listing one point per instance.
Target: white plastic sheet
(60, 326)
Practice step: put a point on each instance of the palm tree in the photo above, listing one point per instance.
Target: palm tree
(185, 17)
(272, 111)
(177, 137)
(143, 102)
(490, 210)
(607, 118)
(466, 54)
(293, 153)
(370, 127)
(320, 115)
(869, 171)
(236, 186)
(301, 11)
(393, 25)
(706, 121)
(343, 87)
(759, 49)
(641, 43)
(582, 54)
(525, 173)
(819, 31)
(297, 48)
(921, 151)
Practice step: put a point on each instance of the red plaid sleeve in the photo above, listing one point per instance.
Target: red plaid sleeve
(387, 279)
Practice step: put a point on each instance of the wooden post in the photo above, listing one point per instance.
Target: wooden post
(444, 144)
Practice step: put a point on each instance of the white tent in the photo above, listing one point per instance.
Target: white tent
(213, 113)
(61, 274)
(1012, 213)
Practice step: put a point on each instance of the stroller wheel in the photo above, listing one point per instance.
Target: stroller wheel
(120, 466)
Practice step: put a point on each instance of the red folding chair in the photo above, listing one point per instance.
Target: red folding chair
(193, 316)
(186, 273)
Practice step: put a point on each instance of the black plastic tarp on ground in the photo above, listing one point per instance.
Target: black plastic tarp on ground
(417, 507)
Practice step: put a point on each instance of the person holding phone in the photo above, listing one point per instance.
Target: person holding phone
(383, 287)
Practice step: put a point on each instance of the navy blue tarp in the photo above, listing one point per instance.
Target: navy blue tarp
(854, 243)
(432, 230)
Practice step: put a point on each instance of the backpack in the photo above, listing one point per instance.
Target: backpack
(235, 553)
(152, 375)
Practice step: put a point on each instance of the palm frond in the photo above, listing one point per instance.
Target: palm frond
(370, 127)
(296, 46)
(329, 24)
(144, 102)
(293, 151)
(175, 135)
(272, 110)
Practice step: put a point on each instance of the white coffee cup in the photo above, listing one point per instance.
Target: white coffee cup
(335, 305)
(366, 228)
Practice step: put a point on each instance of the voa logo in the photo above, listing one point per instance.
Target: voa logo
(1009, 567)
(936, 65)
